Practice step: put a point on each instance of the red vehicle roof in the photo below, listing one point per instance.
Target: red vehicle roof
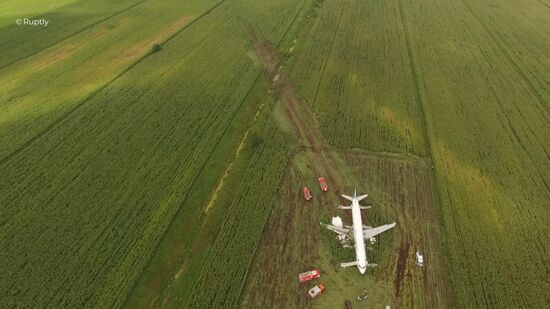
(323, 184)
(309, 275)
(307, 194)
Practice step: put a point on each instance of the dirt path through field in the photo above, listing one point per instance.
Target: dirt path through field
(304, 124)
(399, 182)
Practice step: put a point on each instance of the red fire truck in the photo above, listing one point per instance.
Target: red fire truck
(307, 194)
(323, 184)
(309, 275)
(316, 291)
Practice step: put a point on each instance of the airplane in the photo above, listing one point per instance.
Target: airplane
(360, 232)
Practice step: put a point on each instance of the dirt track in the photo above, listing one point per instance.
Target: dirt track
(304, 124)
(401, 185)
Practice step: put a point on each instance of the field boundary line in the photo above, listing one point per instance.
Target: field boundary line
(414, 75)
(436, 197)
(239, 299)
(193, 21)
(265, 226)
(74, 34)
(291, 23)
(193, 183)
(509, 59)
(72, 110)
(328, 57)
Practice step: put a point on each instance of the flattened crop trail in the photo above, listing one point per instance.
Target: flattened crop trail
(75, 108)
(401, 267)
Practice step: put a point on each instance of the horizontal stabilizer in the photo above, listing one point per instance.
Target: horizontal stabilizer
(348, 264)
(354, 197)
(347, 197)
(368, 233)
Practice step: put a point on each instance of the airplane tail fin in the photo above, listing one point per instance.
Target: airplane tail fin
(360, 197)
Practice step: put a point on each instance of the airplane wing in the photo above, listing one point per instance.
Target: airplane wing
(368, 233)
(336, 229)
(348, 264)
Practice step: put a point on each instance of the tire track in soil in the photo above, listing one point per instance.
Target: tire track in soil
(401, 267)
(303, 122)
(317, 151)
(321, 156)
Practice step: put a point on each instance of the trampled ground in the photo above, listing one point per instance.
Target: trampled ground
(293, 240)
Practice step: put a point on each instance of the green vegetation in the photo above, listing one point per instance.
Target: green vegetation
(488, 130)
(241, 231)
(185, 243)
(38, 92)
(110, 174)
(465, 95)
(472, 94)
(66, 19)
(155, 48)
(400, 189)
(182, 254)
(351, 67)
(152, 152)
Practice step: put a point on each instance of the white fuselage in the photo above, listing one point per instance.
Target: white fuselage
(360, 252)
